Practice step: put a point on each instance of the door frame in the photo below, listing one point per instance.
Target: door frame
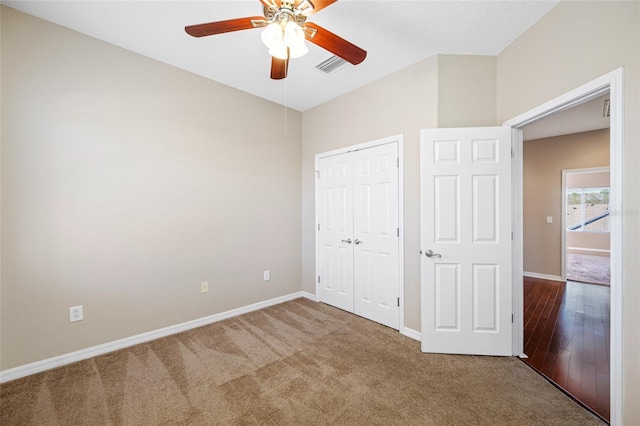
(399, 140)
(563, 242)
(613, 83)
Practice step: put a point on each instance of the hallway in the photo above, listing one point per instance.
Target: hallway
(566, 336)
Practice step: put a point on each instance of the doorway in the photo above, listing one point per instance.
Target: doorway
(612, 83)
(566, 210)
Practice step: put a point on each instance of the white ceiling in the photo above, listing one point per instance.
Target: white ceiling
(581, 118)
(394, 33)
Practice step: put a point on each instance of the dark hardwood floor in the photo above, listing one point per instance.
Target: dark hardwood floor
(566, 337)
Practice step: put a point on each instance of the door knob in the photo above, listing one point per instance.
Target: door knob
(430, 253)
(348, 241)
(357, 241)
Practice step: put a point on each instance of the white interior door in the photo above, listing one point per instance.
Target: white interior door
(334, 198)
(466, 240)
(376, 234)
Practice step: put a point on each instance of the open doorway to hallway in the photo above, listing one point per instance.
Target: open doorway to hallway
(567, 322)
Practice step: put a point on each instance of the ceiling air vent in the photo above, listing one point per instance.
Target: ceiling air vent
(331, 64)
(606, 113)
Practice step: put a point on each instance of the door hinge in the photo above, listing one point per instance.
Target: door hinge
(511, 235)
(511, 318)
(398, 162)
(398, 302)
(398, 232)
(318, 279)
(513, 153)
(318, 227)
(318, 174)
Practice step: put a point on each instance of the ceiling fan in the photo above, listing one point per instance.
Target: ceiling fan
(285, 30)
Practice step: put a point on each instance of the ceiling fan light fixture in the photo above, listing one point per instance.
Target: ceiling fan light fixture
(298, 50)
(272, 36)
(294, 39)
(280, 52)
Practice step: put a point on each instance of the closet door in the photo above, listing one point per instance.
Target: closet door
(376, 234)
(334, 198)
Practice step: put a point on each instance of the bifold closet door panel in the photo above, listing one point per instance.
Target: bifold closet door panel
(334, 197)
(376, 240)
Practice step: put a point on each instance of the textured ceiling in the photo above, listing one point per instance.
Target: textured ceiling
(394, 33)
(582, 118)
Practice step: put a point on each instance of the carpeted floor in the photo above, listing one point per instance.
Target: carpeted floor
(298, 363)
(588, 267)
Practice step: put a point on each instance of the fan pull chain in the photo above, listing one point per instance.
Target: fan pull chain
(285, 104)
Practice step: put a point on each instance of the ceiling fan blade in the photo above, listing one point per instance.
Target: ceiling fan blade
(279, 68)
(335, 44)
(219, 27)
(318, 5)
(271, 3)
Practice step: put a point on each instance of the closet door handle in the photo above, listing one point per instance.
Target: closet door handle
(348, 241)
(357, 241)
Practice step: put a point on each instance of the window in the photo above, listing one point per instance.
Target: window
(588, 209)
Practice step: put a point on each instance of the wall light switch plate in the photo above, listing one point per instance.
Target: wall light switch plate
(266, 276)
(75, 313)
(549, 219)
(204, 287)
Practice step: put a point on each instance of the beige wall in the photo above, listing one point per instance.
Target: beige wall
(576, 42)
(126, 183)
(402, 103)
(466, 91)
(544, 161)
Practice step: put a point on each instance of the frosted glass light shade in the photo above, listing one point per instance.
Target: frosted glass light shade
(294, 39)
(272, 36)
(279, 52)
(298, 50)
(293, 34)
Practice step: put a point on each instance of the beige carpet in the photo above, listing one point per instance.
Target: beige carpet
(298, 363)
(588, 267)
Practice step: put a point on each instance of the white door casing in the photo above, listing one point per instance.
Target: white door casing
(376, 233)
(466, 222)
(358, 243)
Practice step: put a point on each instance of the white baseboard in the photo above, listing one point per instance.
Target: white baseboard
(589, 249)
(543, 276)
(58, 361)
(309, 296)
(415, 335)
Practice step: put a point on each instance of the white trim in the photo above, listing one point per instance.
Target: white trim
(398, 139)
(71, 357)
(614, 83)
(309, 296)
(589, 249)
(411, 333)
(517, 267)
(358, 147)
(542, 276)
(401, 226)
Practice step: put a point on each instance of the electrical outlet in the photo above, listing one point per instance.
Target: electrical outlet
(266, 276)
(204, 287)
(75, 313)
